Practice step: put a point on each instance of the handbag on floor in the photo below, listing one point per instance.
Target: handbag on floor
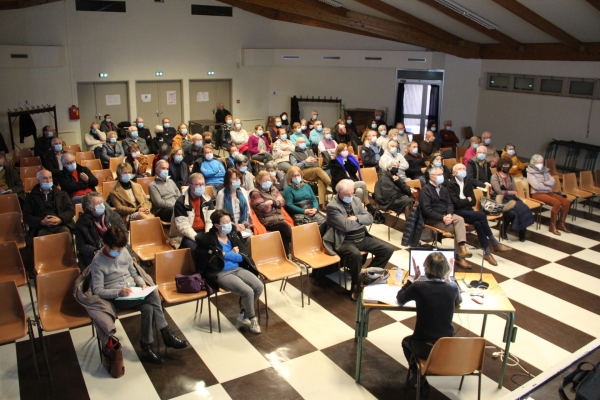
(586, 383)
(112, 357)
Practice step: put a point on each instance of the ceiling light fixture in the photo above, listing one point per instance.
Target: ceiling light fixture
(103, 75)
(467, 13)
(332, 3)
(159, 73)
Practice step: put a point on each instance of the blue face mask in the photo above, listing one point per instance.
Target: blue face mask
(226, 228)
(511, 152)
(58, 147)
(46, 185)
(113, 140)
(108, 119)
(95, 132)
(475, 146)
(125, 178)
(266, 185)
(347, 199)
(302, 146)
(439, 179)
(462, 174)
(283, 137)
(198, 143)
(99, 209)
(348, 121)
(488, 141)
(328, 136)
(134, 135)
(414, 150)
(114, 253)
(481, 156)
(373, 126)
(178, 159)
(166, 125)
(236, 184)
(199, 191)
(71, 167)
(273, 173)
(50, 134)
(278, 124)
(393, 150)
(319, 128)
(163, 174)
(140, 125)
(296, 180)
(437, 163)
(243, 169)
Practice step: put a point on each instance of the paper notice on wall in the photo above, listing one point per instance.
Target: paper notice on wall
(171, 97)
(146, 98)
(201, 96)
(113, 99)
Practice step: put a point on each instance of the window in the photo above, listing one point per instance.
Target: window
(551, 85)
(98, 5)
(498, 81)
(215, 11)
(524, 83)
(545, 85)
(581, 88)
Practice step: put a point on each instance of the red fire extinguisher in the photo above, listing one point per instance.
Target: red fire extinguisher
(73, 112)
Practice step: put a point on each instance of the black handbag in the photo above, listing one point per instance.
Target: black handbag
(586, 383)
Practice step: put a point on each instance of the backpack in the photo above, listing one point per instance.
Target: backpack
(586, 383)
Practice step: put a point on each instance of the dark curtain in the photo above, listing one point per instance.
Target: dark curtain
(295, 111)
(434, 104)
(399, 117)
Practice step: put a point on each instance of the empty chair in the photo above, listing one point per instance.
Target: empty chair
(369, 177)
(551, 165)
(148, 238)
(449, 162)
(11, 267)
(53, 253)
(21, 153)
(29, 172)
(144, 183)
(570, 186)
(269, 256)
(210, 191)
(78, 211)
(11, 229)
(586, 181)
(107, 187)
(460, 152)
(9, 203)
(307, 247)
(557, 188)
(84, 155)
(73, 148)
(29, 183)
(30, 161)
(114, 163)
(173, 262)
(92, 165)
(597, 177)
(150, 158)
(13, 324)
(103, 175)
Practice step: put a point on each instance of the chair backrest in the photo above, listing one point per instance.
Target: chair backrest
(468, 131)
(478, 194)
(306, 239)
(551, 165)
(53, 253)
(92, 165)
(73, 148)
(369, 176)
(29, 183)
(30, 161)
(570, 182)
(145, 182)
(9, 203)
(586, 179)
(114, 163)
(12, 314)
(267, 248)
(460, 152)
(107, 187)
(147, 232)
(597, 177)
(57, 306)
(103, 175)
(150, 159)
(29, 172)
(11, 228)
(84, 155)
(520, 191)
(449, 163)
(414, 183)
(78, 211)
(210, 191)
(456, 356)
(11, 267)
(556, 187)
(22, 153)
(170, 263)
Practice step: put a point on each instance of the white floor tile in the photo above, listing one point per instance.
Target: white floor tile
(315, 376)
(215, 392)
(572, 277)
(571, 238)
(588, 255)
(534, 249)
(9, 374)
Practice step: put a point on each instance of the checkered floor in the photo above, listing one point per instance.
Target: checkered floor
(309, 353)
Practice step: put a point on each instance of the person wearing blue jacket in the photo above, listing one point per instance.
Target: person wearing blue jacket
(212, 169)
(315, 136)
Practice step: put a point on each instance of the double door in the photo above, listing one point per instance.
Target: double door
(206, 95)
(98, 99)
(157, 100)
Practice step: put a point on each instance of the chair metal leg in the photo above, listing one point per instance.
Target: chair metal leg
(308, 282)
(479, 387)
(418, 383)
(197, 301)
(45, 354)
(282, 282)
(266, 300)
(462, 378)
(201, 305)
(33, 352)
(301, 288)
(31, 297)
(217, 306)
(209, 313)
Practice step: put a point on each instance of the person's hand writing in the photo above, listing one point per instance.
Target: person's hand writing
(125, 292)
(352, 218)
(144, 286)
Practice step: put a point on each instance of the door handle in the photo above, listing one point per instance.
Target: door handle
(157, 113)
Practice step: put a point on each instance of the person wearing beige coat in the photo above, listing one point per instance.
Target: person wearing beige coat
(95, 137)
(128, 197)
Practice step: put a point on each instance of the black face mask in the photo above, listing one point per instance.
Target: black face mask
(505, 169)
(394, 171)
(208, 141)
(159, 134)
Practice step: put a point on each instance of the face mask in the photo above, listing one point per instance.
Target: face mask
(433, 129)
(184, 131)
(475, 146)
(284, 118)
(539, 166)
(135, 154)
(178, 159)
(125, 178)
(140, 125)
(260, 133)
(198, 143)
(296, 180)
(209, 156)
(71, 167)
(2, 168)
(394, 171)
(99, 209)
(373, 126)
(328, 136)
(299, 130)
(437, 163)
(159, 134)
(46, 185)
(488, 141)
(342, 126)
(166, 125)
(278, 124)
(283, 137)
(302, 146)
(235, 153)
(462, 174)
(108, 120)
(511, 152)
(226, 228)
(199, 191)
(266, 185)
(50, 134)
(377, 117)
(229, 122)
(349, 121)
(414, 150)
(315, 116)
(319, 128)
(238, 126)
(448, 128)
(166, 158)
(439, 179)
(163, 173)
(347, 199)
(95, 132)
(236, 184)
(114, 253)
(383, 133)
(243, 169)
(134, 135)
(401, 131)
(273, 173)
(344, 153)
(58, 147)
(393, 150)
(505, 169)
(113, 140)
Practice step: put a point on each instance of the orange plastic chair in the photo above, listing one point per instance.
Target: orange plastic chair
(107, 187)
(551, 165)
(369, 177)
(30, 161)
(22, 153)
(307, 247)
(9, 203)
(498, 218)
(29, 172)
(29, 184)
(210, 191)
(84, 155)
(114, 163)
(145, 182)
(11, 229)
(173, 262)
(150, 159)
(586, 181)
(570, 186)
(523, 194)
(92, 165)
(53, 253)
(460, 152)
(148, 238)
(73, 148)
(557, 188)
(271, 261)
(103, 175)
(258, 228)
(449, 163)
(78, 211)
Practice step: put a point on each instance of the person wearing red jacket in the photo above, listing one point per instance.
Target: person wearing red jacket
(259, 146)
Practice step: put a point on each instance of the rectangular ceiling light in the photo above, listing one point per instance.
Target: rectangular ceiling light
(290, 57)
(467, 13)
(417, 59)
(373, 58)
(330, 58)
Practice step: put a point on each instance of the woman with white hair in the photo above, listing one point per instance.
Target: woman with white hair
(239, 136)
(111, 149)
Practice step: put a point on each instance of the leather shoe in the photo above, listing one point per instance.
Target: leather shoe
(463, 253)
(490, 258)
(173, 341)
(500, 248)
(147, 354)
(463, 263)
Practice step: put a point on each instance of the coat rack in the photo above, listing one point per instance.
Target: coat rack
(320, 100)
(13, 115)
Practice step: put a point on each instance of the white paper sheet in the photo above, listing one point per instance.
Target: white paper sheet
(171, 97)
(201, 96)
(138, 293)
(113, 99)
(146, 98)
(383, 293)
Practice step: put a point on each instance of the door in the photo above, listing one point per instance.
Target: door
(158, 100)
(206, 95)
(98, 99)
(417, 98)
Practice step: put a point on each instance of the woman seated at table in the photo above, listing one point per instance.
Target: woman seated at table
(436, 299)
(178, 169)
(128, 197)
(234, 198)
(301, 202)
(223, 259)
(111, 149)
(113, 275)
(344, 165)
(138, 162)
(267, 202)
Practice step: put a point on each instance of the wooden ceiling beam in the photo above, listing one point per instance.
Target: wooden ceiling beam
(541, 51)
(390, 30)
(492, 33)
(595, 3)
(539, 22)
(411, 20)
(14, 4)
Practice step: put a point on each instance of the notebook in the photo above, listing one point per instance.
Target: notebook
(420, 254)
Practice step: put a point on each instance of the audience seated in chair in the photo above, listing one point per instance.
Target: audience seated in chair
(111, 149)
(138, 161)
(107, 125)
(300, 201)
(282, 149)
(303, 158)
(472, 150)
(316, 135)
(74, 179)
(436, 160)
(234, 198)
(168, 131)
(391, 191)
(277, 176)
(463, 198)
(478, 169)
(159, 139)
(327, 144)
(240, 163)
(43, 144)
(10, 182)
(94, 137)
(211, 168)
(344, 165)
(133, 138)
(239, 136)
(128, 197)
(259, 146)
(517, 168)
(438, 211)
(143, 132)
(194, 153)
(52, 162)
(428, 146)
(296, 132)
(394, 154)
(371, 153)
(178, 168)
(164, 153)
(449, 138)
(403, 141)
(163, 192)
(341, 135)
(491, 153)
(224, 260)
(417, 169)
(383, 139)
(347, 235)
(225, 133)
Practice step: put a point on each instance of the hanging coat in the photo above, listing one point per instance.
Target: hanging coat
(26, 127)
(295, 110)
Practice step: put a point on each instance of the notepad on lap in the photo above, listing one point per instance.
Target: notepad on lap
(137, 293)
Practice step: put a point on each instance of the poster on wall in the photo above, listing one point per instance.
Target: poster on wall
(171, 97)
(113, 99)
(201, 96)
(146, 98)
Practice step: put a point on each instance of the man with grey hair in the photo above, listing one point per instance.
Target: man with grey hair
(348, 236)
(195, 152)
(240, 162)
(133, 138)
(53, 161)
(491, 154)
(438, 211)
(75, 179)
(143, 132)
(163, 192)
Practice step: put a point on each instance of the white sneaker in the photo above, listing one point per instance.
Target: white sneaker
(254, 327)
(242, 318)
